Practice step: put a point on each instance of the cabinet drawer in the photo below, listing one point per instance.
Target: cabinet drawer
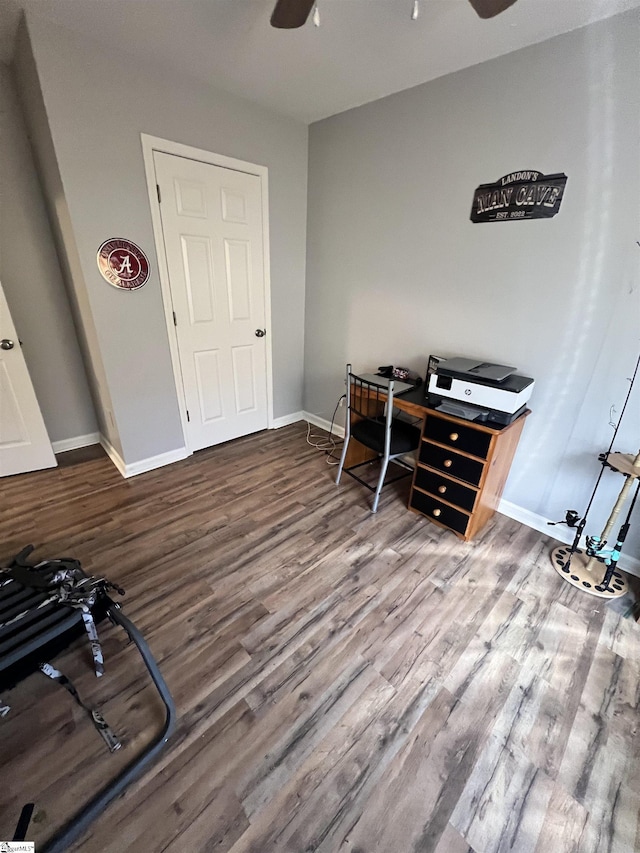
(437, 511)
(448, 490)
(451, 463)
(463, 438)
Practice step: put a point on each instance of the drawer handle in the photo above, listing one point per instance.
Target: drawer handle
(442, 489)
(447, 463)
(454, 436)
(436, 512)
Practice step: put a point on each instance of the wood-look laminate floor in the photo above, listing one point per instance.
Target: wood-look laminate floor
(345, 681)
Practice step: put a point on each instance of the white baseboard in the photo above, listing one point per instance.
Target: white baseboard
(158, 461)
(324, 424)
(287, 420)
(559, 532)
(144, 465)
(74, 443)
(113, 455)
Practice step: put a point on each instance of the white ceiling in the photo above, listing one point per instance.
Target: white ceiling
(363, 50)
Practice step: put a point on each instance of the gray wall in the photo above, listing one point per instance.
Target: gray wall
(97, 104)
(395, 269)
(37, 123)
(32, 281)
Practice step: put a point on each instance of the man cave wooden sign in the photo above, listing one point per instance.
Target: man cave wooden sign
(519, 195)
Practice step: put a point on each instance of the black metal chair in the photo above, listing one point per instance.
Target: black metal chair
(370, 421)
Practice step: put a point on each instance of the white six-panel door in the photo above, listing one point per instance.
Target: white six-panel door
(24, 443)
(212, 229)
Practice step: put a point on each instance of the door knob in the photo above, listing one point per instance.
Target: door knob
(260, 333)
(5, 343)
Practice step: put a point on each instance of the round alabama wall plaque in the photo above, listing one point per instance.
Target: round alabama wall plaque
(123, 264)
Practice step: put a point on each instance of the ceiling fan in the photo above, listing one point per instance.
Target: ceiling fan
(290, 14)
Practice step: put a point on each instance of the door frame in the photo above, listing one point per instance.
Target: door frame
(166, 146)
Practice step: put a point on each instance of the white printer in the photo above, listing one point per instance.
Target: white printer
(478, 390)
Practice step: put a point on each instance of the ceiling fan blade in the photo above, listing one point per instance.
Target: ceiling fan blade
(290, 14)
(490, 8)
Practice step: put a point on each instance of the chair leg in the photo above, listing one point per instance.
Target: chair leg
(383, 473)
(343, 456)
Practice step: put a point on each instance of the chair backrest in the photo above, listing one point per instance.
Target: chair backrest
(369, 400)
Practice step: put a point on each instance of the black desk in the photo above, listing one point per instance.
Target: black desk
(462, 466)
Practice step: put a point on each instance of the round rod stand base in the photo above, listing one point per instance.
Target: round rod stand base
(577, 575)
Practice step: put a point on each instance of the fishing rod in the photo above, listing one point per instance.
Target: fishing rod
(583, 576)
(610, 558)
(572, 518)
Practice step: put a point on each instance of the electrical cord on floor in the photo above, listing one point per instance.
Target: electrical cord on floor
(328, 445)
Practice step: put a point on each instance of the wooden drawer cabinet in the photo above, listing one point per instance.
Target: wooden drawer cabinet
(450, 463)
(463, 438)
(462, 470)
(445, 488)
(444, 514)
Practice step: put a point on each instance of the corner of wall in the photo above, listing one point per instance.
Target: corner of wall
(36, 118)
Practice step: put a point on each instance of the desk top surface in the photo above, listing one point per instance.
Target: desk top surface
(415, 402)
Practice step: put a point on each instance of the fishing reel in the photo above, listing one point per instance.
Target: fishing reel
(594, 546)
(571, 519)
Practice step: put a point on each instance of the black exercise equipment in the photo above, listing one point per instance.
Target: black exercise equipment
(43, 608)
